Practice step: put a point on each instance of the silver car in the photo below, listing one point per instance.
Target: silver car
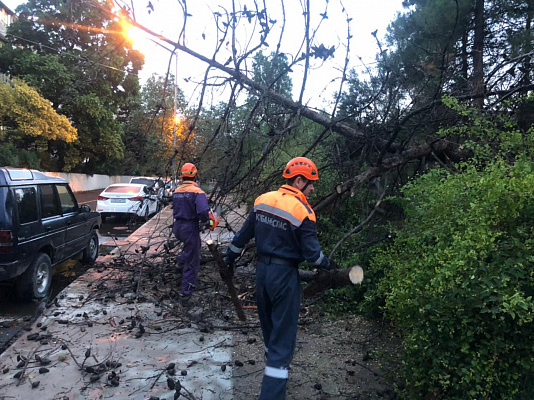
(127, 199)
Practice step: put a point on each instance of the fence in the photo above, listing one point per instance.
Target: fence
(83, 182)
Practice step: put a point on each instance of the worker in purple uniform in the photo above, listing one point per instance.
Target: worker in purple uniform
(284, 226)
(189, 208)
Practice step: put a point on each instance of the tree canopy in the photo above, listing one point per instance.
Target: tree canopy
(431, 147)
(74, 53)
(28, 123)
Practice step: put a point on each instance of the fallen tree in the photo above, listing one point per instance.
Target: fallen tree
(319, 280)
(334, 279)
(226, 275)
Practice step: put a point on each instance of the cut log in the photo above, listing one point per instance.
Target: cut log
(226, 276)
(335, 279)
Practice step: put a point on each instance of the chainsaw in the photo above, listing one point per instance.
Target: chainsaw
(215, 218)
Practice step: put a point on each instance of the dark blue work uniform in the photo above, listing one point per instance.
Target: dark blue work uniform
(189, 206)
(284, 226)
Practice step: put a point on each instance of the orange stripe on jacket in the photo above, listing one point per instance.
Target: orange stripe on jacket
(189, 187)
(289, 200)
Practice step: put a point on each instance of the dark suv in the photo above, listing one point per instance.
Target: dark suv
(41, 225)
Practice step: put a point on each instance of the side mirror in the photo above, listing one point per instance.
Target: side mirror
(85, 208)
(146, 189)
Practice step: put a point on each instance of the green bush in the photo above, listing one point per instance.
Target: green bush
(460, 281)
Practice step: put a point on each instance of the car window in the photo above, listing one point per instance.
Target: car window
(27, 204)
(144, 181)
(49, 204)
(68, 202)
(123, 189)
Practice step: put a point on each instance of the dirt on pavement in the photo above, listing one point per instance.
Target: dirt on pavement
(339, 358)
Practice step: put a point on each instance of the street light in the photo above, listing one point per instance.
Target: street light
(131, 33)
(134, 34)
(176, 118)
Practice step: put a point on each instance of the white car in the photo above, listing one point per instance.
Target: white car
(156, 185)
(127, 199)
(152, 183)
(169, 189)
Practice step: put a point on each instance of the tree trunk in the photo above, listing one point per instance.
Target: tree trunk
(478, 54)
(335, 279)
(525, 79)
(465, 63)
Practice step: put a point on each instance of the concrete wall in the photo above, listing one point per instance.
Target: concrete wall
(83, 183)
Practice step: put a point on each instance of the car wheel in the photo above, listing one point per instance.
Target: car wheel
(35, 282)
(90, 253)
(132, 220)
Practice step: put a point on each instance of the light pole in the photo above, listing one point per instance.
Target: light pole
(175, 119)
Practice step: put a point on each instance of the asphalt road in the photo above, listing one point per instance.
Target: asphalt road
(15, 315)
(88, 197)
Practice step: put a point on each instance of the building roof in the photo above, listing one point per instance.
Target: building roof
(8, 10)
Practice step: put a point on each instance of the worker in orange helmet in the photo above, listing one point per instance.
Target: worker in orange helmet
(189, 207)
(284, 226)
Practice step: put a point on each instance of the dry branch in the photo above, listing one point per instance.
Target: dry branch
(226, 276)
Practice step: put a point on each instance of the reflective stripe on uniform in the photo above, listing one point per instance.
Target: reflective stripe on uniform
(278, 373)
(287, 200)
(235, 249)
(319, 260)
(279, 212)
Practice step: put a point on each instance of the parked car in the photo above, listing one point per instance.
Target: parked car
(127, 199)
(41, 225)
(169, 188)
(156, 185)
(152, 183)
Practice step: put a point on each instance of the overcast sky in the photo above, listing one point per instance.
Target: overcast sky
(367, 16)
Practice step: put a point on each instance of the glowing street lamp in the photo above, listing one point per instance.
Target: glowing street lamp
(131, 33)
(176, 116)
(127, 30)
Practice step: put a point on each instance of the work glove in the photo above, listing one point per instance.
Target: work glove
(330, 266)
(230, 257)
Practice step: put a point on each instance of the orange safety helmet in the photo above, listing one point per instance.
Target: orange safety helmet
(301, 166)
(189, 170)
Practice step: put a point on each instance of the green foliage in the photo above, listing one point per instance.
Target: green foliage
(75, 55)
(460, 282)
(272, 71)
(12, 156)
(490, 135)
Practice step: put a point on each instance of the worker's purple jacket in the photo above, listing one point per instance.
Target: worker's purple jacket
(190, 204)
